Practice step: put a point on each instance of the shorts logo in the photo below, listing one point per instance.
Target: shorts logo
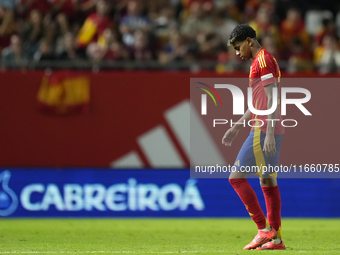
(237, 163)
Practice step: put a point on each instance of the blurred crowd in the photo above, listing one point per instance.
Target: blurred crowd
(302, 34)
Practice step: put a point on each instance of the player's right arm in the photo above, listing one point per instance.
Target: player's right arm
(232, 132)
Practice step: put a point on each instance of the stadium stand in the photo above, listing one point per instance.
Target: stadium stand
(165, 34)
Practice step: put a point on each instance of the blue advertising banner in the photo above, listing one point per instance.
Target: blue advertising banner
(149, 193)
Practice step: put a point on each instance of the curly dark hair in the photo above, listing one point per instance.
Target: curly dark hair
(241, 33)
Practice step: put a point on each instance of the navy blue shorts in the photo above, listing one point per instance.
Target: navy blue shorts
(252, 158)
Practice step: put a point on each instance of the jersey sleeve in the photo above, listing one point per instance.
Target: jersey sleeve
(268, 71)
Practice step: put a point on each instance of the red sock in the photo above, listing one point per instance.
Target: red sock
(249, 199)
(273, 204)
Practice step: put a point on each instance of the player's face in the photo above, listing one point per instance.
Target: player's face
(242, 50)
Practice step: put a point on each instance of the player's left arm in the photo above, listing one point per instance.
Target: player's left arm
(269, 146)
(268, 74)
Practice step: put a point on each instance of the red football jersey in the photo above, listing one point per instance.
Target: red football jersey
(264, 71)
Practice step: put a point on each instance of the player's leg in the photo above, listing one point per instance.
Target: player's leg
(273, 203)
(238, 180)
(273, 200)
(247, 194)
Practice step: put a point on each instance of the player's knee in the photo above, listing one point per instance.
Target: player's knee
(232, 176)
(268, 181)
(237, 178)
(238, 175)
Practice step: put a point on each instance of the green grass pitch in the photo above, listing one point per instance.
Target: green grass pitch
(160, 236)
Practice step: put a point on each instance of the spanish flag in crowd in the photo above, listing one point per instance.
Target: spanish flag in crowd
(92, 29)
(63, 93)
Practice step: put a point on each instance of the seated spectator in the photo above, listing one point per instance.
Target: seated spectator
(229, 62)
(327, 56)
(133, 21)
(95, 24)
(300, 59)
(328, 29)
(7, 4)
(87, 6)
(69, 49)
(83, 9)
(70, 14)
(141, 49)
(7, 26)
(51, 33)
(207, 6)
(176, 50)
(94, 52)
(14, 55)
(163, 24)
(113, 48)
(33, 32)
(110, 48)
(121, 8)
(283, 6)
(67, 7)
(209, 46)
(253, 6)
(293, 27)
(228, 8)
(65, 11)
(198, 22)
(25, 7)
(270, 45)
(263, 24)
(224, 26)
(45, 52)
(200, 31)
(154, 7)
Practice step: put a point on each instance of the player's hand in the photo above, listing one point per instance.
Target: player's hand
(269, 146)
(229, 136)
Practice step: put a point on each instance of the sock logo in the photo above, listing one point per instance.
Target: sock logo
(237, 163)
(248, 211)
